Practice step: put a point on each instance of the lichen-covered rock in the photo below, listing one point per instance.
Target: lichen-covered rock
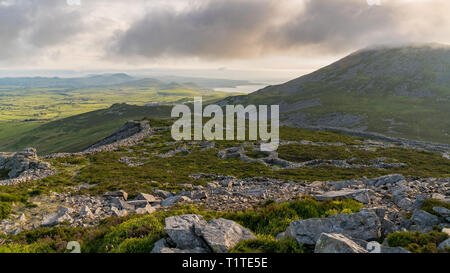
(337, 243)
(222, 234)
(181, 230)
(364, 225)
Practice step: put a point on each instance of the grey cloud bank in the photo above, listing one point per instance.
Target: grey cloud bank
(210, 30)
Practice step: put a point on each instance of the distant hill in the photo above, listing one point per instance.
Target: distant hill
(75, 133)
(399, 91)
(56, 82)
(116, 80)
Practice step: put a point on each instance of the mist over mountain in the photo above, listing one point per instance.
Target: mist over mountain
(401, 91)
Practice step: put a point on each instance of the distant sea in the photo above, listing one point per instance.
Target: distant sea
(241, 88)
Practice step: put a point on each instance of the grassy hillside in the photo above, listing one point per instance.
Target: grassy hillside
(78, 132)
(402, 92)
(67, 119)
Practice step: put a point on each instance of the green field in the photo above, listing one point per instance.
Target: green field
(54, 120)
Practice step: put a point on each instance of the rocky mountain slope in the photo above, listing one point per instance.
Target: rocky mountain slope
(321, 192)
(396, 91)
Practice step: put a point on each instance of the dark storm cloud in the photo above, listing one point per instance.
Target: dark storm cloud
(26, 26)
(243, 28)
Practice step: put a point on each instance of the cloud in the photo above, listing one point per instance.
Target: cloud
(210, 29)
(28, 26)
(233, 29)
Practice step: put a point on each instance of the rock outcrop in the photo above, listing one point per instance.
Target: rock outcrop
(190, 233)
(23, 166)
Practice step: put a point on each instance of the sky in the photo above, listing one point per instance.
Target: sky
(272, 39)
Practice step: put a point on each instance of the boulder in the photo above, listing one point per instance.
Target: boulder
(86, 211)
(358, 195)
(423, 221)
(364, 225)
(222, 234)
(117, 194)
(145, 210)
(162, 194)
(337, 243)
(138, 203)
(181, 230)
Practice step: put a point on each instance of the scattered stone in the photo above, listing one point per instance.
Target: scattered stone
(387, 179)
(358, 195)
(117, 194)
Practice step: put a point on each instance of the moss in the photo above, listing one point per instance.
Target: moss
(417, 242)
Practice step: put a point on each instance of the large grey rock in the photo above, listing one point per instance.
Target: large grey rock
(222, 234)
(444, 245)
(423, 221)
(387, 179)
(181, 230)
(160, 245)
(145, 210)
(337, 243)
(364, 225)
(358, 195)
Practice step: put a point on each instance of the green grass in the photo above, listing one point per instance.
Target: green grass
(137, 234)
(55, 120)
(417, 242)
(268, 244)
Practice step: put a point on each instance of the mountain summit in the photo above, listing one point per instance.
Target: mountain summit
(401, 91)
